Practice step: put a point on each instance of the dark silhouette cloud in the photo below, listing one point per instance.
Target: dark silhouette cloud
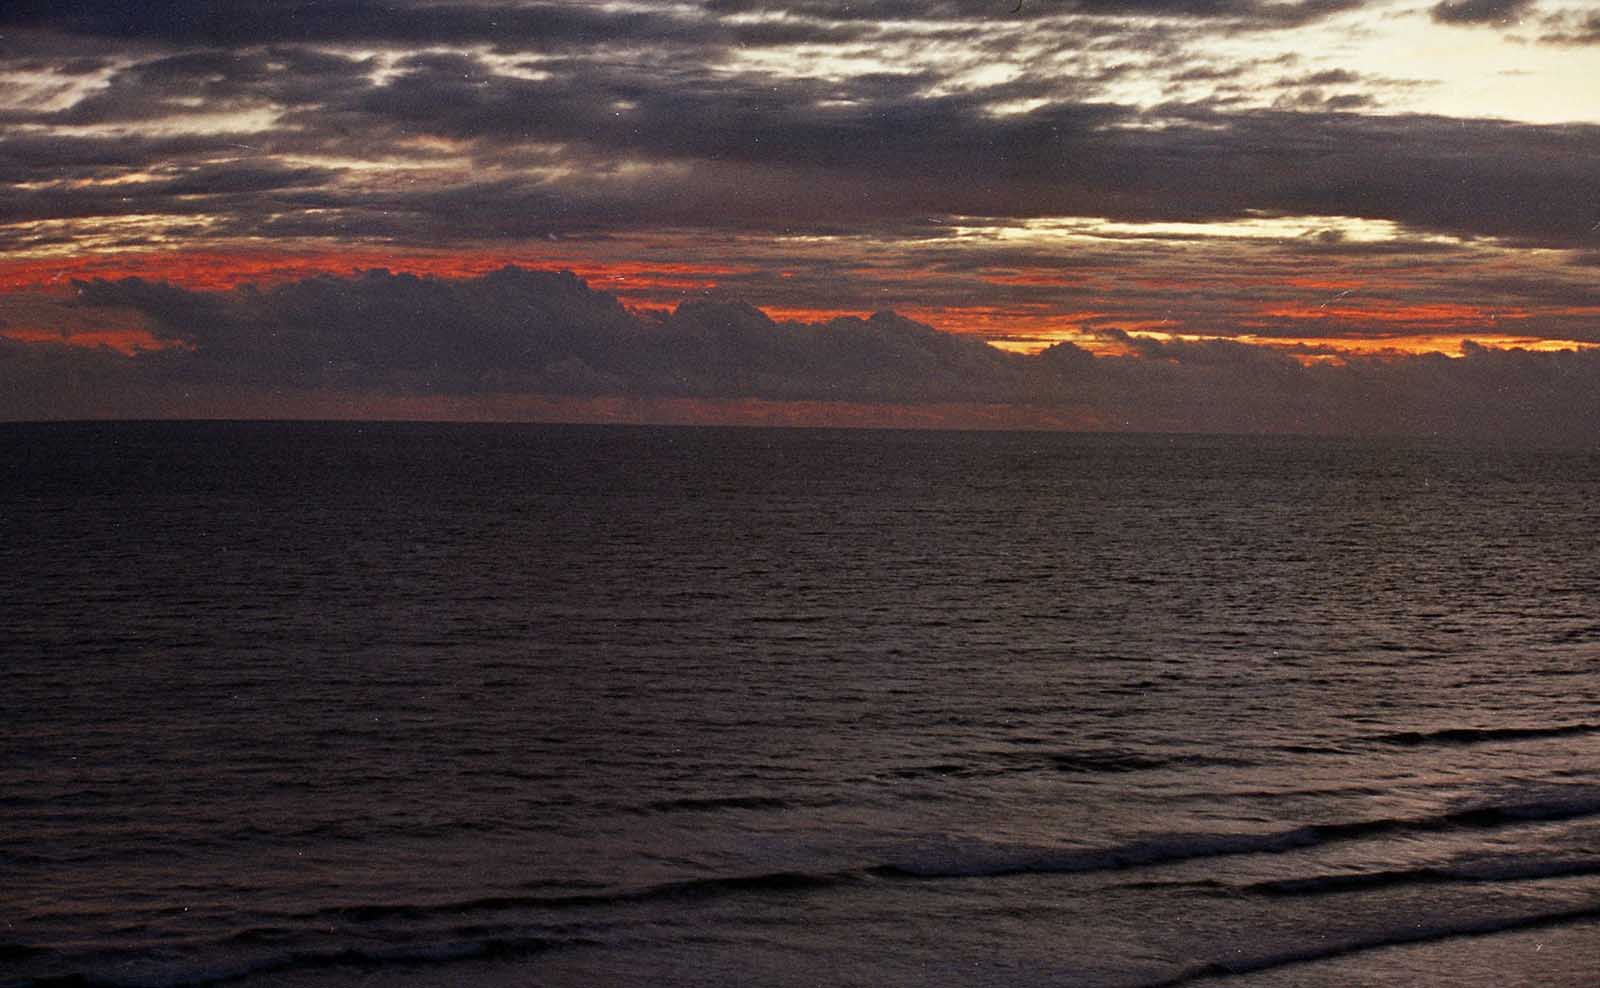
(548, 334)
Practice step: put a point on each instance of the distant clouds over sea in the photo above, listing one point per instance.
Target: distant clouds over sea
(1255, 214)
(473, 346)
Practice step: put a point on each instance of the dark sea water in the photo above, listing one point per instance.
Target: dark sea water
(403, 705)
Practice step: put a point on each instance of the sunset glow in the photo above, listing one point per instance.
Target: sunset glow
(1127, 181)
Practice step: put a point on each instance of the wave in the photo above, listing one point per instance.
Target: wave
(971, 859)
(976, 860)
(460, 943)
(1452, 736)
(202, 975)
(705, 803)
(982, 861)
(1089, 761)
(1482, 871)
(1377, 940)
(511, 924)
(509, 942)
(694, 888)
(1103, 761)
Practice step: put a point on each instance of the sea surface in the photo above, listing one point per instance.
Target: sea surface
(406, 705)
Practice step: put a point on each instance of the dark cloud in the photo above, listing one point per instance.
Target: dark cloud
(532, 331)
(1317, 99)
(875, 148)
(1328, 77)
(394, 22)
(39, 157)
(434, 123)
(663, 134)
(214, 82)
(1250, 13)
(233, 188)
(633, 148)
(1566, 29)
(1480, 11)
(1209, 73)
(525, 332)
(949, 155)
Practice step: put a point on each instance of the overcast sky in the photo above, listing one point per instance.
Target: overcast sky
(1245, 215)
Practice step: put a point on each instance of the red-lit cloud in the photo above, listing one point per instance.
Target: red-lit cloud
(1104, 177)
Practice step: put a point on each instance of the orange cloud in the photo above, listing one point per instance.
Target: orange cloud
(1049, 278)
(1324, 284)
(807, 314)
(1429, 314)
(125, 341)
(222, 270)
(1413, 344)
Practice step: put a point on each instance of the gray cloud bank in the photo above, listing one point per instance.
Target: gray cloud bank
(618, 120)
(519, 332)
(465, 21)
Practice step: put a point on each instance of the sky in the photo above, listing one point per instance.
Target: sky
(1301, 216)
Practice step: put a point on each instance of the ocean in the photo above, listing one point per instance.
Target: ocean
(297, 704)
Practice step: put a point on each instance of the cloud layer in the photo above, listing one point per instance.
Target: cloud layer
(548, 335)
(232, 120)
(1140, 178)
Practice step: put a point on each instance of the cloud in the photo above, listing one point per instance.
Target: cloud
(1072, 166)
(1480, 11)
(519, 332)
(1250, 14)
(523, 330)
(948, 157)
(1569, 28)
(545, 26)
(594, 145)
(212, 83)
(231, 188)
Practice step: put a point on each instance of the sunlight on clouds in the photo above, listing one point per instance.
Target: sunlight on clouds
(1011, 108)
(1412, 65)
(1308, 349)
(1348, 229)
(379, 166)
(981, 75)
(50, 92)
(515, 66)
(832, 63)
(1480, 71)
(240, 122)
(1135, 117)
(1446, 344)
(384, 64)
(74, 237)
(103, 182)
(127, 342)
